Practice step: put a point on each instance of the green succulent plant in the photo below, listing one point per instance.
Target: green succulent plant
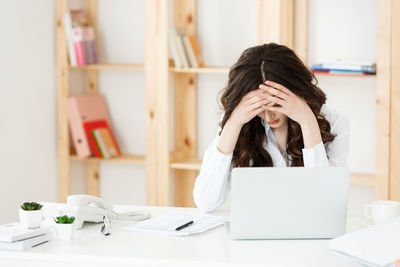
(31, 206)
(64, 219)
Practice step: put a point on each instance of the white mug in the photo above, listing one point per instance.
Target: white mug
(382, 210)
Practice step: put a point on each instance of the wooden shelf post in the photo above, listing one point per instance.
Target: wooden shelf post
(394, 181)
(284, 22)
(300, 45)
(158, 179)
(275, 22)
(383, 100)
(185, 110)
(62, 95)
(92, 87)
(387, 182)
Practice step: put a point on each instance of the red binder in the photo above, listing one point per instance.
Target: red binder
(92, 125)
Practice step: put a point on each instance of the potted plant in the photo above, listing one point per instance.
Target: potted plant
(64, 226)
(31, 215)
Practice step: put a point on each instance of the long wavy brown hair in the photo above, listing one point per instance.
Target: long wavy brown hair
(280, 64)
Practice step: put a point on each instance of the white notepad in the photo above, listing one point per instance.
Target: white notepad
(15, 231)
(166, 224)
(376, 245)
(25, 244)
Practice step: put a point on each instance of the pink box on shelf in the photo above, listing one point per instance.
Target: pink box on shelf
(81, 109)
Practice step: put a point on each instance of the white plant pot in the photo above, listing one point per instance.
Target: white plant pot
(30, 218)
(64, 230)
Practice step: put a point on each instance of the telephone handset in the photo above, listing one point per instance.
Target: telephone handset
(88, 200)
(92, 209)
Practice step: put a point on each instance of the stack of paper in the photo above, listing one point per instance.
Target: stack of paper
(376, 245)
(14, 237)
(166, 224)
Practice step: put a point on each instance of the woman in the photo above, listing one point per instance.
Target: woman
(274, 116)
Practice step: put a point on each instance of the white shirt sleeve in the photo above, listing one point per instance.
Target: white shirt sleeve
(213, 181)
(335, 153)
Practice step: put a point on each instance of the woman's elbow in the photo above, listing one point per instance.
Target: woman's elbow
(204, 204)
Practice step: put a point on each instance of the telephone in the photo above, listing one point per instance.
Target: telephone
(87, 208)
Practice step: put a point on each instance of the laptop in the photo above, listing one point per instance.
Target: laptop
(289, 203)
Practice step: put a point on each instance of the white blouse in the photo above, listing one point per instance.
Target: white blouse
(212, 186)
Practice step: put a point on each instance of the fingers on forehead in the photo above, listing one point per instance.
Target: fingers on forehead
(274, 91)
(278, 86)
(253, 93)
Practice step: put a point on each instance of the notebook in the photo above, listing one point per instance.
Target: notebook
(376, 245)
(25, 244)
(166, 224)
(15, 231)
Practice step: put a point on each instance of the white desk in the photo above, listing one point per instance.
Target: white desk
(213, 248)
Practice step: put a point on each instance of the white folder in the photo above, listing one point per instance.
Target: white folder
(376, 245)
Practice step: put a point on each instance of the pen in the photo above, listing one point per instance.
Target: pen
(183, 226)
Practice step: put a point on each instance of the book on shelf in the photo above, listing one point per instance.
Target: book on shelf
(89, 45)
(107, 141)
(181, 49)
(80, 39)
(184, 49)
(100, 143)
(362, 67)
(91, 126)
(70, 43)
(189, 52)
(174, 48)
(342, 72)
(84, 109)
(77, 39)
(196, 50)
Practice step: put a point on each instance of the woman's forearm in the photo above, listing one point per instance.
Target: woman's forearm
(229, 136)
(311, 132)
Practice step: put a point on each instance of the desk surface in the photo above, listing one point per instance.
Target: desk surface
(213, 248)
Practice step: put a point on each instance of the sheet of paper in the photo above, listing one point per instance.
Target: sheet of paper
(376, 245)
(166, 224)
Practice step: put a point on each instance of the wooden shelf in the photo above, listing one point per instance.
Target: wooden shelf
(126, 158)
(187, 164)
(195, 164)
(109, 66)
(363, 178)
(200, 70)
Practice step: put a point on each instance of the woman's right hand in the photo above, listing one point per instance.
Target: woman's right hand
(252, 104)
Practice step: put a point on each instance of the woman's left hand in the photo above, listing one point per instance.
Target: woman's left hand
(287, 102)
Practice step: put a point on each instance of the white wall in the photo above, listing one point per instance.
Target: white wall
(27, 104)
(347, 30)
(28, 94)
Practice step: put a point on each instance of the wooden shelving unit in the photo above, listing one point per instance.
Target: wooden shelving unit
(284, 22)
(91, 70)
(223, 70)
(187, 164)
(195, 165)
(124, 158)
(108, 66)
